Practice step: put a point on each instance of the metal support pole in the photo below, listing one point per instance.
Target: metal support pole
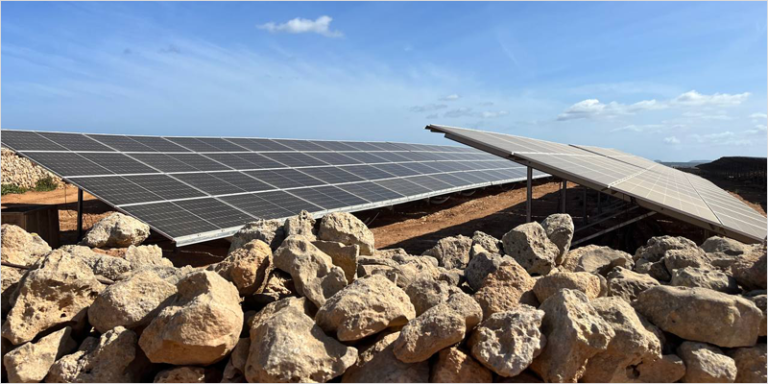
(562, 196)
(585, 218)
(529, 196)
(79, 214)
(599, 202)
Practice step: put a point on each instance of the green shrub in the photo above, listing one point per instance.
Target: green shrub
(12, 188)
(46, 184)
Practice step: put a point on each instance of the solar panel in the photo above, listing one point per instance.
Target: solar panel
(651, 185)
(194, 189)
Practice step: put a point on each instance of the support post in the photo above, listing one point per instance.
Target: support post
(563, 196)
(584, 213)
(79, 214)
(599, 202)
(529, 196)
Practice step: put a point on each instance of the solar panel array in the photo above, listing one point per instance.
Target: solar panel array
(194, 189)
(652, 185)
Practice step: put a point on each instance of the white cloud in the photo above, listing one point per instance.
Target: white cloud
(469, 112)
(593, 108)
(493, 114)
(708, 116)
(672, 140)
(758, 116)
(428, 107)
(639, 128)
(760, 129)
(451, 97)
(321, 26)
(459, 112)
(694, 98)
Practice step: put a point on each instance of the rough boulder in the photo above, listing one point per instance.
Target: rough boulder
(201, 325)
(312, 271)
(451, 252)
(20, 247)
(116, 231)
(529, 245)
(559, 229)
(271, 232)
(365, 307)
(345, 228)
(110, 358)
(31, 362)
(706, 364)
(248, 267)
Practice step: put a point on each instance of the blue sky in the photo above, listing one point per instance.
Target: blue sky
(672, 81)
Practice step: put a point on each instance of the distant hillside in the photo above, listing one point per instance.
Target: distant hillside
(683, 164)
(736, 166)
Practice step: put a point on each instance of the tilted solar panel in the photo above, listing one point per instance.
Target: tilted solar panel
(193, 189)
(651, 185)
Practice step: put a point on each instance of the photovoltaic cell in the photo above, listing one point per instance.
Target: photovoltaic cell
(327, 197)
(301, 145)
(365, 157)
(396, 169)
(68, 164)
(431, 183)
(193, 144)
(259, 145)
(331, 175)
(256, 206)
(335, 146)
(293, 204)
(200, 162)
(165, 186)
(367, 172)
(170, 218)
(403, 187)
(232, 160)
(243, 181)
(118, 163)
(164, 163)
(158, 144)
(216, 212)
(117, 190)
(208, 183)
(295, 159)
(121, 143)
(29, 141)
(285, 178)
(259, 161)
(75, 142)
(334, 158)
(221, 144)
(370, 191)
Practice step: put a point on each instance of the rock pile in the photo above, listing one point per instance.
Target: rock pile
(22, 172)
(310, 300)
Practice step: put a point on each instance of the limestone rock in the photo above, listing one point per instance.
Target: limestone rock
(248, 267)
(234, 372)
(507, 342)
(488, 242)
(427, 292)
(111, 267)
(302, 224)
(749, 271)
(529, 245)
(632, 344)
(655, 269)
(701, 314)
(390, 253)
(271, 232)
(181, 375)
(585, 282)
(10, 281)
(760, 299)
(312, 271)
(146, 255)
(723, 251)
(402, 270)
(199, 326)
(656, 247)
(279, 286)
(271, 309)
(377, 364)
(559, 229)
(345, 228)
(668, 369)
(57, 290)
(365, 307)
(627, 285)
(706, 364)
(132, 302)
(343, 256)
(455, 366)
(20, 247)
(289, 347)
(480, 266)
(31, 362)
(676, 259)
(596, 259)
(106, 359)
(506, 288)
(750, 364)
(116, 230)
(575, 333)
(451, 252)
(704, 278)
(439, 327)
